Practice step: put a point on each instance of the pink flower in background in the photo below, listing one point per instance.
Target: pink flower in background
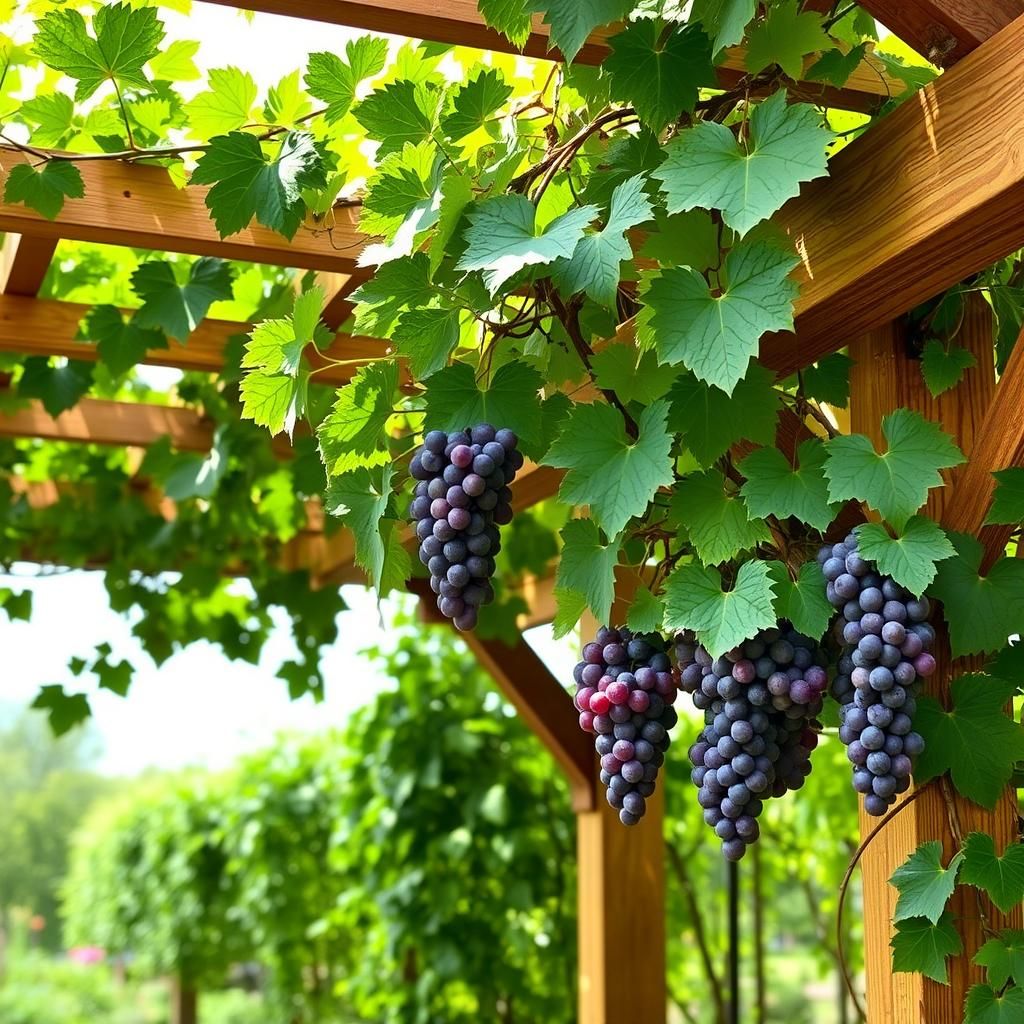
(86, 955)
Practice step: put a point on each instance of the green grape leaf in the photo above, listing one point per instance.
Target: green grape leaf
(570, 605)
(225, 107)
(178, 309)
(502, 237)
(712, 421)
(725, 21)
(401, 194)
(401, 112)
(923, 884)
(785, 38)
(828, 380)
(334, 81)
(716, 335)
(615, 368)
(587, 566)
(835, 67)
(44, 190)
(52, 114)
(982, 611)
(1002, 878)
(64, 710)
(274, 400)
(910, 558)
(426, 338)
(399, 283)
(120, 345)
(453, 401)
(572, 21)
(511, 18)
(125, 39)
(976, 741)
(920, 947)
(114, 676)
(694, 600)
(594, 265)
(196, 476)
(705, 166)
(802, 601)
(616, 476)
(683, 239)
(986, 1006)
(57, 387)
(175, 62)
(17, 606)
(360, 498)
(245, 184)
(660, 77)
(774, 487)
(474, 103)
(897, 483)
(1008, 500)
(1003, 958)
(717, 522)
(646, 612)
(944, 368)
(353, 433)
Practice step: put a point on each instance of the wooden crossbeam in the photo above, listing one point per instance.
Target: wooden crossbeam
(129, 204)
(944, 31)
(24, 260)
(459, 22)
(931, 194)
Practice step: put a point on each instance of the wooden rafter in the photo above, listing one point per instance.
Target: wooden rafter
(24, 260)
(459, 22)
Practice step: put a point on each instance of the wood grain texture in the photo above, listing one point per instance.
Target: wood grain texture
(24, 260)
(931, 194)
(129, 204)
(884, 378)
(944, 31)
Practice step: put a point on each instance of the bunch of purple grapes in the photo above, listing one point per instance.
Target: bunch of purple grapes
(887, 650)
(760, 702)
(625, 689)
(461, 498)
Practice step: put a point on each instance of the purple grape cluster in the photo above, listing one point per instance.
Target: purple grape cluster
(760, 702)
(886, 652)
(461, 498)
(625, 689)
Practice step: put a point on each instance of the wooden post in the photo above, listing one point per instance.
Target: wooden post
(884, 378)
(184, 1003)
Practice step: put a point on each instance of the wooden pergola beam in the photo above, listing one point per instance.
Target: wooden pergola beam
(130, 204)
(944, 31)
(24, 261)
(460, 23)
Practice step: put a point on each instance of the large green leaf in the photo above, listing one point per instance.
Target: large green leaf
(786, 37)
(572, 21)
(120, 344)
(986, 1006)
(1008, 500)
(64, 710)
(177, 309)
(717, 521)
(401, 112)
(802, 601)
(920, 947)
(633, 376)
(1002, 878)
(725, 21)
(474, 103)
(775, 487)
(587, 567)
(923, 884)
(1003, 958)
(57, 387)
(911, 557)
(334, 81)
(44, 190)
(944, 367)
(226, 106)
(353, 433)
(510, 17)
(426, 337)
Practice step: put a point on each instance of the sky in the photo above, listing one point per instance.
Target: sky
(199, 708)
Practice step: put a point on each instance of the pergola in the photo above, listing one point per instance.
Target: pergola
(928, 196)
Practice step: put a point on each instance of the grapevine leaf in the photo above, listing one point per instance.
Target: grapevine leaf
(923, 884)
(46, 189)
(802, 601)
(615, 368)
(57, 387)
(276, 346)
(474, 103)
(1008, 500)
(776, 488)
(274, 400)
(64, 710)
(659, 77)
(725, 21)
(705, 166)
(646, 612)
(570, 605)
(1003, 958)
(454, 402)
(896, 483)
(910, 559)
(1002, 878)
(694, 599)
(835, 67)
(17, 606)
(175, 62)
(401, 199)
(426, 337)
(502, 237)
(685, 239)
(716, 335)
(986, 1006)
(587, 566)
(52, 115)
(196, 476)
(828, 380)
(785, 37)
(403, 282)
(352, 434)
(246, 184)
(401, 112)
(226, 106)
(510, 17)
(125, 39)
(1008, 664)
(594, 265)
(718, 523)
(615, 476)
(944, 368)
(920, 947)
(976, 741)
(572, 21)
(982, 611)
(712, 421)
(174, 308)
(120, 345)
(334, 81)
